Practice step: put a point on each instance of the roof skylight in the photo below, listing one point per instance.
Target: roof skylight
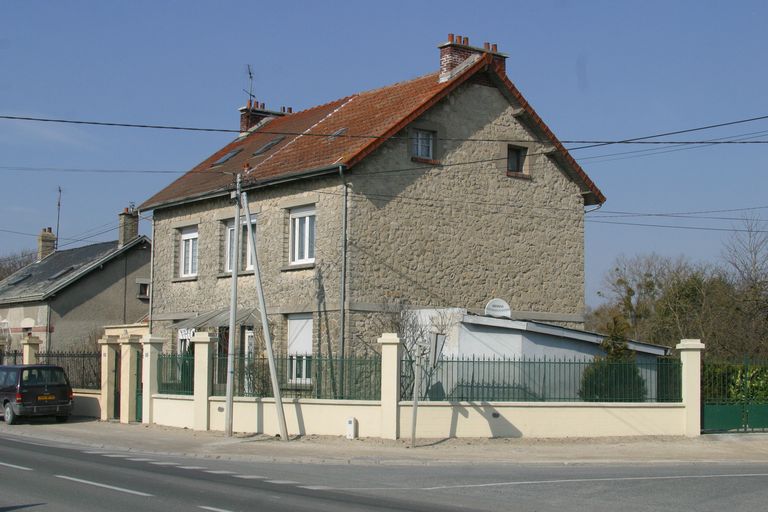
(61, 272)
(18, 279)
(226, 157)
(338, 133)
(269, 145)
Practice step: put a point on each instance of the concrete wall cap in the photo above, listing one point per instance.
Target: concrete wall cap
(129, 339)
(204, 337)
(108, 340)
(32, 340)
(690, 345)
(154, 340)
(389, 338)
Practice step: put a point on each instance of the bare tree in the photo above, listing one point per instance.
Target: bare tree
(12, 262)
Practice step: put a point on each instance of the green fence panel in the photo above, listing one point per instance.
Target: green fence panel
(176, 374)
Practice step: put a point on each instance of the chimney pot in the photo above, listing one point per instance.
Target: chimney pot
(486, 46)
(465, 41)
(290, 110)
(450, 38)
(494, 47)
(457, 50)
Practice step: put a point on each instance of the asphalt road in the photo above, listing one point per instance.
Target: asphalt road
(53, 476)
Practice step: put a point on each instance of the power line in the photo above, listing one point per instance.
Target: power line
(590, 143)
(670, 226)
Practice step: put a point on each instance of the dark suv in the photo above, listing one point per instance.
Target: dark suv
(35, 390)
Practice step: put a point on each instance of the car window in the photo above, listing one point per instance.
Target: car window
(5, 377)
(43, 376)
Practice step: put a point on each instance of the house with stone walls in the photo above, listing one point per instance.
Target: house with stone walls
(441, 191)
(68, 295)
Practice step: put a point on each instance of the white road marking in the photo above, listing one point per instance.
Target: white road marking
(250, 477)
(13, 466)
(315, 487)
(165, 463)
(139, 459)
(220, 472)
(214, 509)
(281, 482)
(104, 486)
(562, 481)
(115, 455)
(99, 452)
(192, 467)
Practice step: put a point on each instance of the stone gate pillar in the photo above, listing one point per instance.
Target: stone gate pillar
(30, 347)
(391, 351)
(690, 357)
(130, 348)
(203, 344)
(152, 347)
(109, 347)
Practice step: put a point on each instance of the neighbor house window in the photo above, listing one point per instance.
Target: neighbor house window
(515, 159)
(300, 348)
(245, 247)
(143, 292)
(188, 252)
(302, 235)
(422, 144)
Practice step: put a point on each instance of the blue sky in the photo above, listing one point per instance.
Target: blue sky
(593, 70)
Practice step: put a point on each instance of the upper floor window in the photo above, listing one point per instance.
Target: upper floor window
(302, 235)
(245, 247)
(422, 144)
(188, 252)
(515, 159)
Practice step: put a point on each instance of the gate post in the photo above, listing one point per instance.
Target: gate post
(152, 346)
(129, 351)
(202, 342)
(31, 347)
(391, 351)
(690, 357)
(109, 346)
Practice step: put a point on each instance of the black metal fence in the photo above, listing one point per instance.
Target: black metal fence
(11, 357)
(83, 368)
(546, 380)
(302, 376)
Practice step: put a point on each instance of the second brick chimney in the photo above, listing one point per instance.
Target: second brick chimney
(46, 243)
(457, 50)
(128, 228)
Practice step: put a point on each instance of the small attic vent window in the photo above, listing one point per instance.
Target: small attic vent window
(61, 273)
(269, 145)
(338, 133)
(226, 157)
(18, 279)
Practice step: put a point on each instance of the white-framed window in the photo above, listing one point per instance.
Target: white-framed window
(188, 252)
(422, 143)
(302, 235)
(300, 348)
(245, 246)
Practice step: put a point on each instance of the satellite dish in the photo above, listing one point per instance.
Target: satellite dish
(498, 308)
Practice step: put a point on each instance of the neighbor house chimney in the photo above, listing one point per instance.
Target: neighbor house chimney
(128, 227)
(457, 50)
(46, 243)
(253, 114)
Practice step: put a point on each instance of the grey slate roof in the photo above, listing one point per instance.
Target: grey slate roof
(39, 280)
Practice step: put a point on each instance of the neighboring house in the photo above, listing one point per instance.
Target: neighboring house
(441, 191)
(67, 296)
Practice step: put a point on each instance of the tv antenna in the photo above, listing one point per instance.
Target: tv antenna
(249, 92)
(58, 219)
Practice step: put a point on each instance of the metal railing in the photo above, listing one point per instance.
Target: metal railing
(302, 376)
(82, 368)
(734, 382)
(546, 380)
(11, 357)
(176, 374)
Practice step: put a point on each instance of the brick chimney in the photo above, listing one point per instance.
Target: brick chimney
(456, 52)
(128, 227)
(253, 114)
(46, 243)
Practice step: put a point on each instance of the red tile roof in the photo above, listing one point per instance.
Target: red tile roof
(370, 118)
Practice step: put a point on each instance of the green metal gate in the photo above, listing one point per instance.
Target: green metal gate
(139, 387)
(734, 396)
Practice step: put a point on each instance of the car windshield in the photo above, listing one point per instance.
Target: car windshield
(43, 376)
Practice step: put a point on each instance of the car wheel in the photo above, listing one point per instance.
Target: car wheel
(10, 417)
(61, 419)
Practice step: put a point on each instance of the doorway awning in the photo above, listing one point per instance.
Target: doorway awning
(220, 318)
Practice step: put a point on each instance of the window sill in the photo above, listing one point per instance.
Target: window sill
(242, 273)
(422, 160)
(298, 266)
(519, 175)
(142, 297)
(183, 279)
